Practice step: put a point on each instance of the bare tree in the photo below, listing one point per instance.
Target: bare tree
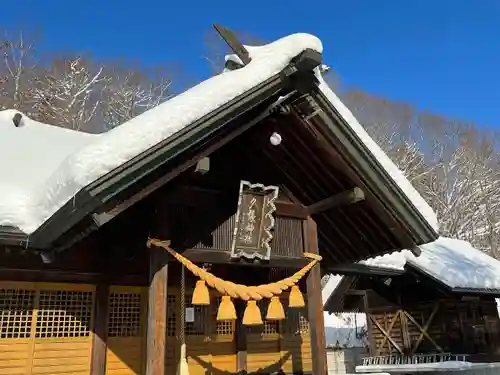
(131, 93)
(73, 91)
(69, 93)
(17, 72)
(454, 165)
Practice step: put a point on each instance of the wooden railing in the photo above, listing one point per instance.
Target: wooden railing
(413, 359)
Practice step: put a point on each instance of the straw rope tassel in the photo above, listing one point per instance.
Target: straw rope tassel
(201, 294)
(226, 311)
(275, 310)
(252, 315)
(183, 368)
(255, 293)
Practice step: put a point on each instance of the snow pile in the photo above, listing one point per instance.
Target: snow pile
(396, 174)
(456, 263)
(27, 203)
(447, 366)
(30, 154)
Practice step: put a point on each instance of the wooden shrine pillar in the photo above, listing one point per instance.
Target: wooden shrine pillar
(315, 302)
(241, 339)
(157, 312)
(100, 337)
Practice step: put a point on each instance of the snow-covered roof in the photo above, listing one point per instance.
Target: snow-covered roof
(38, 198)
(330, 287)
(396, 174)
(74, 160)
(455, 263)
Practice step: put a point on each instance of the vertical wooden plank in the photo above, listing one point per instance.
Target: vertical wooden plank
(369, 326)
(405, 332)
(31, 347)
(100, 331)
(315, 303)
(157, 312)
(241, 339)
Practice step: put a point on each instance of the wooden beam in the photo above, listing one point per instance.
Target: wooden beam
(203, 166)
(387, 334)
(293, 210)
(58, 276)
(423, 330)
(100, 336)
(314, 302)
(224, 257)
(341, 199)
(241, 339)
(157, 312)
(354, 292)
(369, 326)
(202, 197)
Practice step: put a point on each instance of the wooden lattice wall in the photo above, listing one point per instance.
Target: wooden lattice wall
(126, 330)
(444, 326)
(45, 328)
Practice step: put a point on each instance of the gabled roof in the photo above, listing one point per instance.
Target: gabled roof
(92, 172)
(455, 264)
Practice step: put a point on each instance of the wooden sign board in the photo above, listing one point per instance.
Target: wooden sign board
(254, 221)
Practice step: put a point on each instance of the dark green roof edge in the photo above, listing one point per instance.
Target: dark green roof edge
(95, 195)
(376, 177)
(457, 290)
(360, 269)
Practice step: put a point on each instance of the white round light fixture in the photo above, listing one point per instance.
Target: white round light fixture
(275, 139)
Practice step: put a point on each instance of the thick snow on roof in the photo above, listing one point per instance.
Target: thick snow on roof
(454, 262)
(30, 154)
(27, 203)
(395, 173)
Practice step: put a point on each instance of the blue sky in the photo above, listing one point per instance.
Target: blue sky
(441, 55)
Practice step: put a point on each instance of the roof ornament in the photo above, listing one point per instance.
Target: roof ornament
(17, 119)
(236, 46)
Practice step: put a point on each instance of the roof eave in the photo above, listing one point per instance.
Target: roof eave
(103, 191)
(10, 236)
(452, 289)
(374, 174)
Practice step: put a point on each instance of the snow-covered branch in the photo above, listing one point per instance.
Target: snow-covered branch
(131, 94)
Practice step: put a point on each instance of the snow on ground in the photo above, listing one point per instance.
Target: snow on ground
(448, 366)
(40, 197)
